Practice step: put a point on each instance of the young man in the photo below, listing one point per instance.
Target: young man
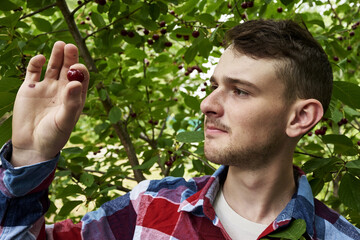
(272, 84)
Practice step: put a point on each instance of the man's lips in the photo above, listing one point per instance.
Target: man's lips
(211, 129)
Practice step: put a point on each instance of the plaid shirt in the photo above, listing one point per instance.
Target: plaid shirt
(171, 208)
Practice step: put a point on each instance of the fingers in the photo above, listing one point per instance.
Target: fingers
(71, 57)
(62, 57)
(33, 71)
(56, 61)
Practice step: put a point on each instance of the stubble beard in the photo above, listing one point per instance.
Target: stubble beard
(254, 157)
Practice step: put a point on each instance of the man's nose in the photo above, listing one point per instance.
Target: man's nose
(212, 105)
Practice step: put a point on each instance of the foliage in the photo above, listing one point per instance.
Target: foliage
(142, 115)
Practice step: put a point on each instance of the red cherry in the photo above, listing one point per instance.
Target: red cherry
(101, 2)
(195, 34)
(162, 24)
(186, 37)
(123, 32)
(163, 31)
(75, 75)
(250, 4)
(168, 44)
(155, 37)
(279, 10)
(150, 41)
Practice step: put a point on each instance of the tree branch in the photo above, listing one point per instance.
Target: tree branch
(80, 42)
(124, 137)
(335, 13)
(38, 11)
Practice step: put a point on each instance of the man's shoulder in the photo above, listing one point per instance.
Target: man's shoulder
(169, 186)
(330, 224)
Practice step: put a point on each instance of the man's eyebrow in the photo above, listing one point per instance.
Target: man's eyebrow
(230, 80)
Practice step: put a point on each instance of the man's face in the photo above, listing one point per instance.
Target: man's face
(246, 114)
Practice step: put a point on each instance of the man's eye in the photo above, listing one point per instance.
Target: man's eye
(240, 92)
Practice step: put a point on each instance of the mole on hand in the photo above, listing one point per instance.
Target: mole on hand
(31, 85)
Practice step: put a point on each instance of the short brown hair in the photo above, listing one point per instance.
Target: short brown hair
(305, 68)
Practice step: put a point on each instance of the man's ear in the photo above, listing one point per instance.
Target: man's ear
(304, 114)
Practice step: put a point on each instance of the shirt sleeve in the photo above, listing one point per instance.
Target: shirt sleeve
(24, 196)
(24, 202)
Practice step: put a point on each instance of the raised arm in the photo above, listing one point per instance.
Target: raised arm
(45, 112)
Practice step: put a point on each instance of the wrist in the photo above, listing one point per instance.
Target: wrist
(24, 157)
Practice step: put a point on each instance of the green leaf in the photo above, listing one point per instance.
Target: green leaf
(5, 131)
(190, 53)
(286, 2)
(316, 185)
(191, 102)
(7, 5)
(206, 19)
(338, 49)
(317, 163)
(178, 171)
(135, 53)
(348, 110)
(115, 114)
(114, 9)
(182, 31)
(98, 20)
(205, 48)
(103, 94)
(294, 231)
(69, 190)
(348, 93)
(336, 115)
(337, 139)
(187, 7)
(76, 140)
(154, 10)
(353, 167)
(190, 137)
(148, 24)
(68, 207)
(342, 144)
(87, 179)
(148, 164)
(42, 24)
(10, 21)
(349, 191)
(6, 99)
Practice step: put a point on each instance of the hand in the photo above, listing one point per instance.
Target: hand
(45, 112)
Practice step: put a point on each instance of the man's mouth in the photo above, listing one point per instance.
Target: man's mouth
(214, 126)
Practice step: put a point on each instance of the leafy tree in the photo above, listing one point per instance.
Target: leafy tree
(142, 115)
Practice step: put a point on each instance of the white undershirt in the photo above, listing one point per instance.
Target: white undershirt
(235, 225)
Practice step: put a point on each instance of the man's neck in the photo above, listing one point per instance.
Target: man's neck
(260, 195)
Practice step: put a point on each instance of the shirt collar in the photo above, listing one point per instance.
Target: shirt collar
(301, 206)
